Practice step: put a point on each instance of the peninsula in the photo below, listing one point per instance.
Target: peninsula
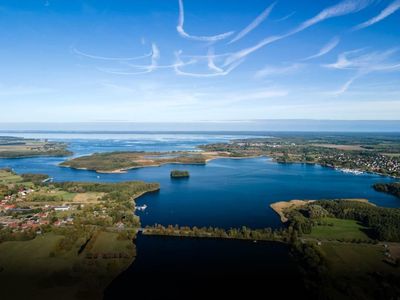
(16, 147)
(345, 240)
(347, 153)
(69, 238)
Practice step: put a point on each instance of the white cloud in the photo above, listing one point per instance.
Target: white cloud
(273, 70)
(392, 8)
(211, 62)
(364, 64)
(253, 25)
(182, 32)
(340, 9)
(326, 48)
(343, 8)
(217, 71)
(76, 51)
(285, 17)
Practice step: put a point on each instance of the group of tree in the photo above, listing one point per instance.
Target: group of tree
(389, 188)
(383, 222)
(244, 233)
(116, 191)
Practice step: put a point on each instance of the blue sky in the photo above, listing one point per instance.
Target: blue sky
(199, 60)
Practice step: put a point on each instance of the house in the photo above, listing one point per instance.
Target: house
(8, 207)
(61, 208)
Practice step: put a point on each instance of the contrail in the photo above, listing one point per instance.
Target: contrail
(326, 48)
(364, 64)
(182, 32)
(253, 25)
(220, 72)
(155, 56)
(285, 17)
(340, 9)
(76, 51)
(392, 8)
(211, 62)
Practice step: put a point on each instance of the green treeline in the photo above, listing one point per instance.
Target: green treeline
(244, 233)
(384, 223)
(44, 198)
(35, 178)
(116, 191)
(389, 188)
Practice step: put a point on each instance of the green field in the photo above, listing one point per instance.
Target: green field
(8, 177)
(107, 242)
(33, 265)
(359, 271)
(339, 229)
(361, 257)
(29, 264)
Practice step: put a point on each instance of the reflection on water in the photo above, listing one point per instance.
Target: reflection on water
(174, 268)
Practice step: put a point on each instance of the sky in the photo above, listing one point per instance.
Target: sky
(199, 60)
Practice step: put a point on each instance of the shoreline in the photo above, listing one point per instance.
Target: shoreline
(124, 170)
(281, 206)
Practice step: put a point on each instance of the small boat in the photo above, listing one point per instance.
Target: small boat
(141, 208)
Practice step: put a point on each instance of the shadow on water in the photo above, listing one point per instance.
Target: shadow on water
(184, 268)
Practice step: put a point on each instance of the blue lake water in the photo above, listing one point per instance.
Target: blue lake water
(175, 268)
(225, 192)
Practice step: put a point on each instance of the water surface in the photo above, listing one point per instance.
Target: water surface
(224, 193)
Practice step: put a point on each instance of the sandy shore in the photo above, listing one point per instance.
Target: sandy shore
(280, 207)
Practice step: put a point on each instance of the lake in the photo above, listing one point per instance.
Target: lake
(224, 193)
(176, 268)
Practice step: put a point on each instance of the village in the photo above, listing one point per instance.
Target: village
(381, 157)
(17, 215)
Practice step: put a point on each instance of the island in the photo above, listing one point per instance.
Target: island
(16, 147)
(354, 154)
(179, 174)
(69, 238)
(118, 162)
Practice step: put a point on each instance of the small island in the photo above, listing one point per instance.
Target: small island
(179, 174)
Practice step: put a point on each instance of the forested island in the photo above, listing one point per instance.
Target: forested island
(179, 174)
(116, 162)
(15, 147)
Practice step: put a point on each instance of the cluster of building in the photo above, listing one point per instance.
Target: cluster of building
(21, 218)
(371, 163)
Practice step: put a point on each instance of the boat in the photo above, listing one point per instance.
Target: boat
(141, 208)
